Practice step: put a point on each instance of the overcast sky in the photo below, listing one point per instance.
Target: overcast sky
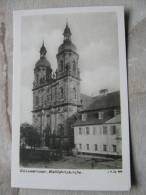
(96, 38)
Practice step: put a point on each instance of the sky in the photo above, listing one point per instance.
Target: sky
(96, 38)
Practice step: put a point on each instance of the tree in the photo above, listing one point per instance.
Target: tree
(29, 136)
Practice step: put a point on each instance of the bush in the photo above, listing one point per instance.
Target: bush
(29, 136)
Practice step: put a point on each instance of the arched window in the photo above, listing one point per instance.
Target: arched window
(37, 76)
(75, 93)
(61, 92)
(42, 100)
(37, 100)
(74, 66)
(61, 65)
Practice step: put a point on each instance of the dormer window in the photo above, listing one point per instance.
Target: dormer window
(100, 115)
(116, 112)
(84, 117)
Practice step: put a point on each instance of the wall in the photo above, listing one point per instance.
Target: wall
(98, 138)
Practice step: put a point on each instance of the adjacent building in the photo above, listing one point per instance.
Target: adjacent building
(98, 129)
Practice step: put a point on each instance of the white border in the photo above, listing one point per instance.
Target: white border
(93, 180)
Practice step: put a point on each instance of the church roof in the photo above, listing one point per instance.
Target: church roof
(43, 62)
(67, 30)
(67, 45)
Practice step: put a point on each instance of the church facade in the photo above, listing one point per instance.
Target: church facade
(56, 94)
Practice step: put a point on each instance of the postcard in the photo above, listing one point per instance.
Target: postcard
(70, 128)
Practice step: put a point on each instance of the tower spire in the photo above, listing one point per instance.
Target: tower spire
(67, 32)
(43, 50)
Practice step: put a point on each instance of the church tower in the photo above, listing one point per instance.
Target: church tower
(43, 70)
(68, 70)
(56, 95)
(68, 77)
(41, 84)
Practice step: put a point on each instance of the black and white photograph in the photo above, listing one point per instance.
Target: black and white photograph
(72, 98)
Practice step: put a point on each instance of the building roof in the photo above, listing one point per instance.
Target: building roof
(43, 50)
(85, 100)
(67, 30)
(90, 121)
(67, 45)
(43, 62)
(95, 121)
(116, 119)
(99, 102)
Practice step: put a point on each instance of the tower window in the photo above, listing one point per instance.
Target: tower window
(48, 98)
(61, 65)
(61, 92)
(74, 66)
(37, 77)
(37, 100)
(75, 93)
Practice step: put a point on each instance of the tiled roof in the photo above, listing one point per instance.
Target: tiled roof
(43, 62)
(85, 100)
(100, 102)
(116, 119)
(96, 121)
(104, 101)
(90, 121)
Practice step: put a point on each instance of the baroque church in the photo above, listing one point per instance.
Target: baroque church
(56, 95)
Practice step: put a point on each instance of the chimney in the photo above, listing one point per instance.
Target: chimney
(103, 91)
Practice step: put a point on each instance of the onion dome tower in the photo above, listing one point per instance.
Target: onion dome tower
(42, 70)
(67, 72)
(67, 56)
